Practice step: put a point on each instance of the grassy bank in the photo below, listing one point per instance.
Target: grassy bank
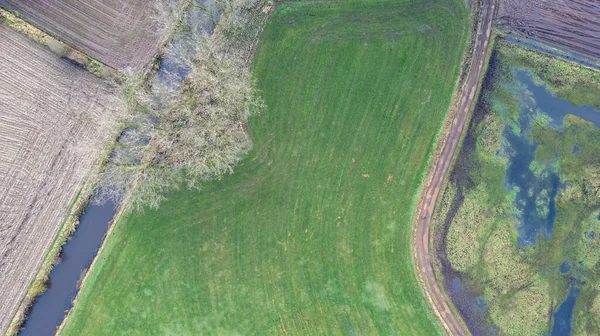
(482, 209)
(311, 235)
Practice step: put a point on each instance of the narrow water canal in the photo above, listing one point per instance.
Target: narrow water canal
(77, 255)
(49, 309)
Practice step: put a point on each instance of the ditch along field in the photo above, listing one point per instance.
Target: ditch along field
(518, 220)
(54, 122)
(121, 34)
(312, 233)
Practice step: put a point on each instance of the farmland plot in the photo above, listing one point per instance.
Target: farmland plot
(54, 120)
(572, 24)
(120, 34)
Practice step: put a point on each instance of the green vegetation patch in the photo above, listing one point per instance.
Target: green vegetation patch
(312, 233)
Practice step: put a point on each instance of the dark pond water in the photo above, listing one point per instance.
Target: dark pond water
(534, 189)
(561, 325)
(175, 65)
(50, 308)
(473, 308)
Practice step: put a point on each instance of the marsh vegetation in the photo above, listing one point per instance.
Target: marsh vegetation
(517, 220)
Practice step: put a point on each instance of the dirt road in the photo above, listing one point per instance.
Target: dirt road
(433, 185)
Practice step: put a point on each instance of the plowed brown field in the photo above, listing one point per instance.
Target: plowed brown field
(574, 24)
(54, 121)
(118, 33)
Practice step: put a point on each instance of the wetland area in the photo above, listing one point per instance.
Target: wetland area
(516, 231)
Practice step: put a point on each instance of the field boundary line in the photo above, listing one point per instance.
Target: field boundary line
(441, 160)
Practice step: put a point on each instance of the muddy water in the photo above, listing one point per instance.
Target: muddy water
(6, 5)
(50, 308)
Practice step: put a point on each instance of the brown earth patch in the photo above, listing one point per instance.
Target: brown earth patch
(119, 33)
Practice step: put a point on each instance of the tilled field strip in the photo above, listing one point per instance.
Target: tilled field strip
(119, 33)
(54, 121)
(450, 322)
(574, 24)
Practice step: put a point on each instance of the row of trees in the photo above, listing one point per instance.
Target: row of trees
(179, 135)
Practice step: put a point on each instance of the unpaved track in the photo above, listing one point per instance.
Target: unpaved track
(54, 122)
(450, 322)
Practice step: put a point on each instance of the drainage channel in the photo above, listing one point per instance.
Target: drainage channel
(50, 308)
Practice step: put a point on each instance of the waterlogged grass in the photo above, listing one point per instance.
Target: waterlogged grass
(312, 233)
(523, 284)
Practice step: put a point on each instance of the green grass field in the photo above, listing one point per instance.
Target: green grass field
(311, 235)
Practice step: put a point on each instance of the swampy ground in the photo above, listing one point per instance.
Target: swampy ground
(311, 235)
(517, 225)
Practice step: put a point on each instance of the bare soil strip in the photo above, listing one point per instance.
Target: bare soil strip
(432, 186)
(54, 122)
(121, 34)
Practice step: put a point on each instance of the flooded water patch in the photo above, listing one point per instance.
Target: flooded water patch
(77, 254)
(537, 183)
(561, 325)
(569, 56)
(555, 107)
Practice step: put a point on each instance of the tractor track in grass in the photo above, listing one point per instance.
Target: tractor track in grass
(441, 163)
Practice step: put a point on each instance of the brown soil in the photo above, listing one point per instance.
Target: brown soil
(118, 33)
(440, 166)
(574, 24)
(54, 122)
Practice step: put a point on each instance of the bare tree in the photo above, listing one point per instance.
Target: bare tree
(179, 136)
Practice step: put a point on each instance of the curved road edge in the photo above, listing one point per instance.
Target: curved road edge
(430, 191)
